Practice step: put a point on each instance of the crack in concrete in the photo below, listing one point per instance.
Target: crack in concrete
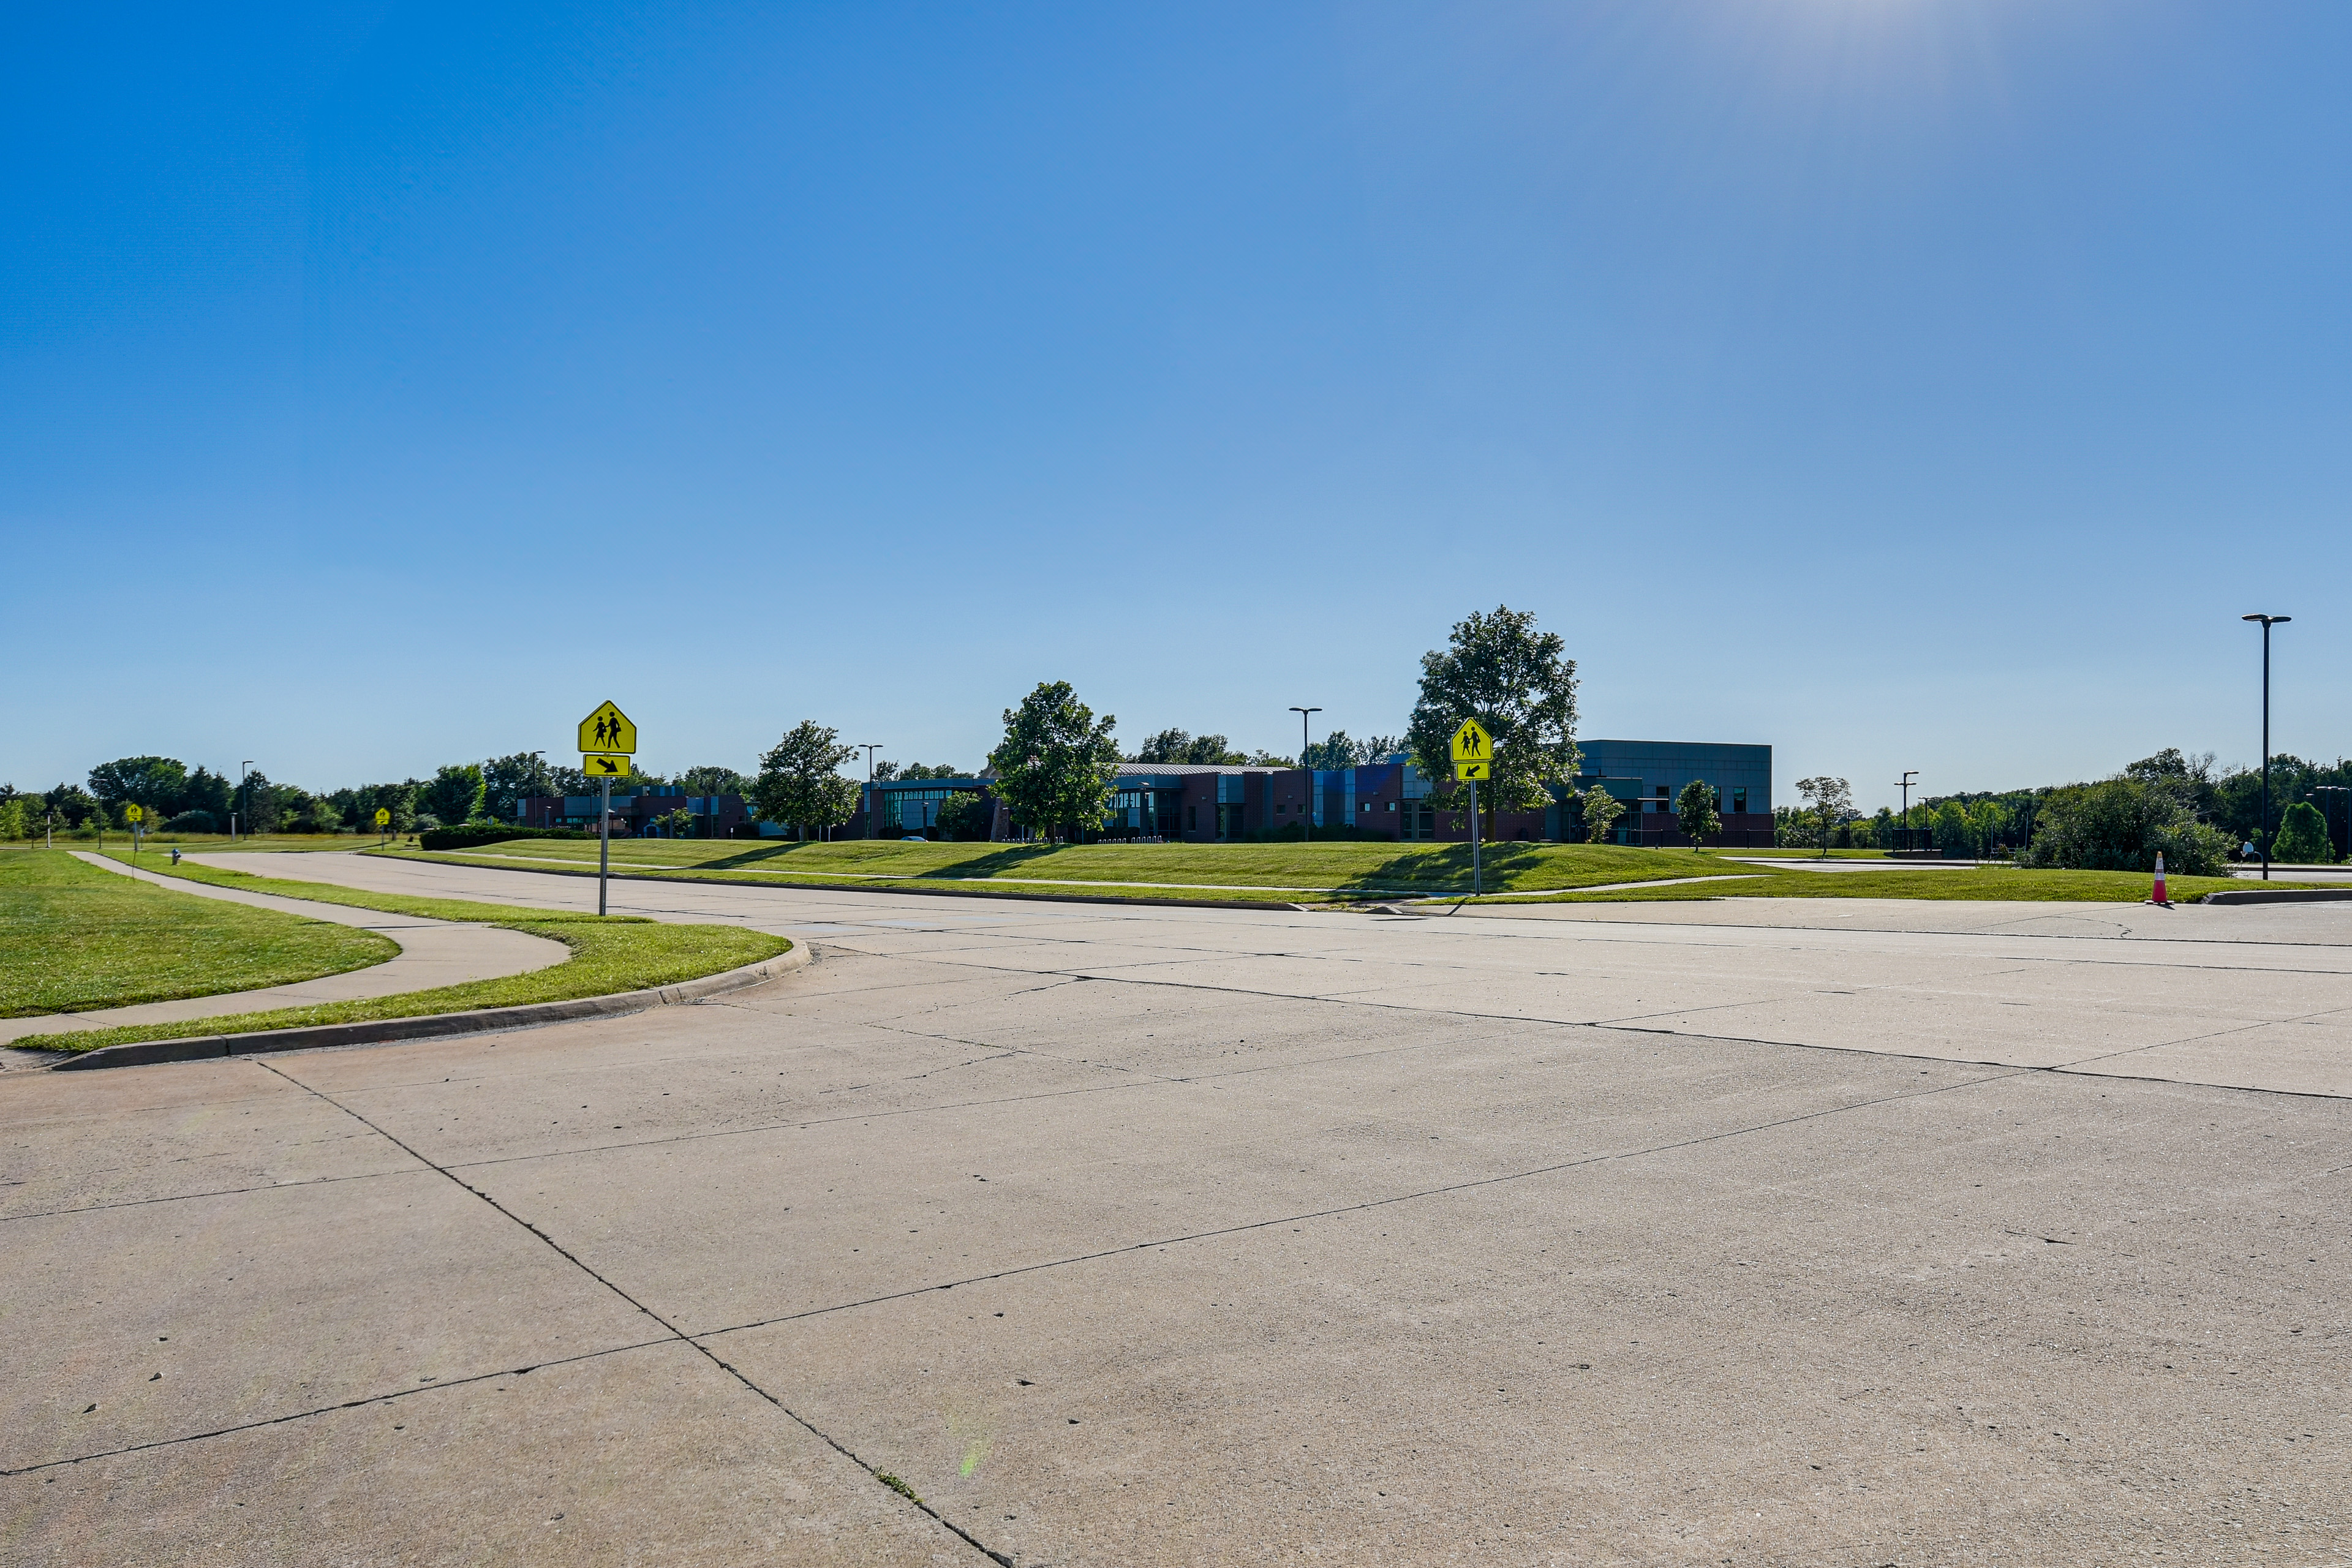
(669, 1329)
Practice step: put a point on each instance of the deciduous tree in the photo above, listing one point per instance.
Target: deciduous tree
(1056, 766)
(1517, 681)
(800, 782)
(1695, 811)
(1601, 811)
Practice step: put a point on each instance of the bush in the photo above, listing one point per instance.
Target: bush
(967, 818)
(2303, 838)
(192, 822)
(2121, 825)
(470, 835)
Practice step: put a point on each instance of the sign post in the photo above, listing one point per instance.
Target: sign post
(383, 825)
(1473, 759)
(134, 815)
(608, 739)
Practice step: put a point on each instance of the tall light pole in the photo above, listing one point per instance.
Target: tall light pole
(1306, 765)
(2268, 622)
(245, 795)
(869, 748)
(1903, 783)
(537, 777)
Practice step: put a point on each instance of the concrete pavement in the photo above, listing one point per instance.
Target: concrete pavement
(1686, 1233)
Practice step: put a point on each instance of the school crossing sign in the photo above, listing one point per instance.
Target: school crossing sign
(607, 731)
(1473, 751)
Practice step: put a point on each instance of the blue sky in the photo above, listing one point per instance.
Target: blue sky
(1905, 383)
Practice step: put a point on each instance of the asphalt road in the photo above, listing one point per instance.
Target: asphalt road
(1744, 1232)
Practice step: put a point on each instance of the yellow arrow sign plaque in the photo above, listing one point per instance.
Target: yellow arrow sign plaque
(597, 767)
(1473, 770)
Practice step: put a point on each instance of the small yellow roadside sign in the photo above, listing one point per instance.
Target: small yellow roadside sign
(607, 730)
(384, 816)
(597, 767)
(1471, 744)
(1473, 771)
(134, 814)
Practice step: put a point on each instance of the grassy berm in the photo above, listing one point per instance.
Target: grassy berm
(609, 954)
(1307, 873)
(74, 937)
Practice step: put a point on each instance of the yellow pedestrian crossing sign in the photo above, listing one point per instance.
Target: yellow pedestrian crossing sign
(132, 813)
(384, 816)
(607, 730)
(1472, 744)
(597, 767)
(1473, 771)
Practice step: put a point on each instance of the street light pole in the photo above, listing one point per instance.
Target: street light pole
(1306, 765)
(537, 777)
(245, 795)
(2268, 622)
(1903, 783)
(869, 748)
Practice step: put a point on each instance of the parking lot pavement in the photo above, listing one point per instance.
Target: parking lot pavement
(1132, 1235)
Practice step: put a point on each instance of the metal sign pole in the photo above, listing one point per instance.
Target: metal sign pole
(603, 839)
(1477, 884)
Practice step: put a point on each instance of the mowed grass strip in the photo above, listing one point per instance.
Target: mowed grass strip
(74, 937)
(1355, 868)
(1292, 872)
(609, 954)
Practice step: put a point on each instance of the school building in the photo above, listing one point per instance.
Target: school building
(1388, 799)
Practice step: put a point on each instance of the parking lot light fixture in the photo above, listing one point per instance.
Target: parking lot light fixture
(1308, 764)
(2268, 622)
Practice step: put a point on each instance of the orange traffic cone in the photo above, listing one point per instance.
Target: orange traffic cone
(2157, 897)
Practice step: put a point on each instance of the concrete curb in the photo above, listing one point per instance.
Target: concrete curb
(2279, 896)
(434, 1025)
(814, 886)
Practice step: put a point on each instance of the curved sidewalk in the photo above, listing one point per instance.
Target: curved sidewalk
(432, 953)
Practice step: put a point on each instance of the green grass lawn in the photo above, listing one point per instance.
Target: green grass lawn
(1305, 872)
(1275, 871)
(609, 954)
(74, 937)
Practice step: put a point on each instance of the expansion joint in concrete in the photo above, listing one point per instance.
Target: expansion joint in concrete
(671, 1331)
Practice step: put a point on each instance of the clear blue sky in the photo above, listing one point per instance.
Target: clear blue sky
(1906, 384)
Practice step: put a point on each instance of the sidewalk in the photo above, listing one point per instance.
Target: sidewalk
(432, 953)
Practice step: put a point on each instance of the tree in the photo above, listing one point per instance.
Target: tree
(1056, 766)
(1695, 810)
(456, 794)
(258, 803)
(1182, 746)
(154, 783)
(509, 781)
(1519, 684)
(1338, 751)
(1601, 811)
(709, 780)
(2302, 837)
(1833, 801)
(966, 816)
(800, 781)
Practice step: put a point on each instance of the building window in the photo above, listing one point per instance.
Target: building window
(1739, 800)
(1191, 819)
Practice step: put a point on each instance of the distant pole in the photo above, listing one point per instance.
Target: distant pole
(869, 748)
(245, 798)
(1308, 766)
(2268, 622)
(1905, 782)
(603, 837)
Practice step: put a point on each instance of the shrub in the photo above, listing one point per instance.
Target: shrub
(470, 835)
(192, 822)
(2302, 837)
(967, 818)
(2121, 825)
